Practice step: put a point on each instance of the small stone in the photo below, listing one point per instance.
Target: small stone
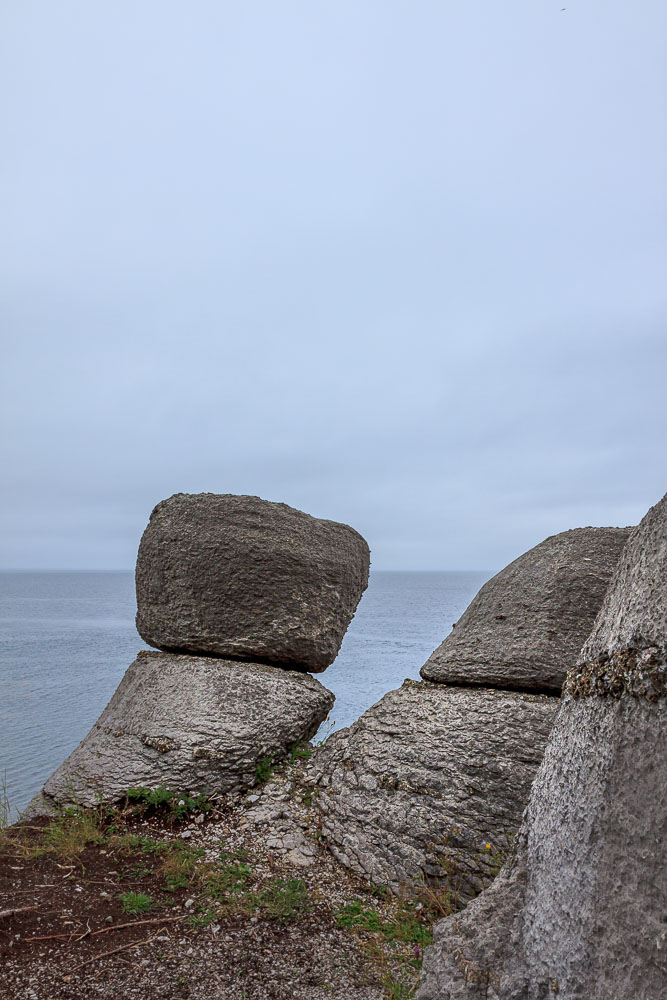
(186, 834)
(188, 903)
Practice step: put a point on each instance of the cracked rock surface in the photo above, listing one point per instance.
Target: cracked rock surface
(241, 577)
(526, 626)
(579, 911)
(431, 781)
(188, 722)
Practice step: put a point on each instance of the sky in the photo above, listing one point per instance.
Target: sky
(397, 263)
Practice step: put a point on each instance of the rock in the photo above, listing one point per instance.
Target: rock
(579, 910)
(240, 577)
(526, 626)
(188, 722)
(427, 778)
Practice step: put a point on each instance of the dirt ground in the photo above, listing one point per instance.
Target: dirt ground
(174, 898)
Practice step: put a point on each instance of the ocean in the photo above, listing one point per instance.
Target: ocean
(67, 638)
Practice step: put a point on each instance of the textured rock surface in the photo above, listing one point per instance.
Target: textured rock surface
(188, 723)
(241, 577)
(428, 777)
(526, 626)
(579, 912)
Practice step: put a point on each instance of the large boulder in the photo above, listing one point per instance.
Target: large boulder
(579, 912)
(188, 723)
(240, 577)
(526, 626)
(431, 782)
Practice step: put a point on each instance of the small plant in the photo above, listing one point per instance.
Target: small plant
(329, 726)
(300, 751)
(5, 809)
(264, 770)
(177, 804)
(136, 902)
(202, 918)
(179, 867)
(71, 832)
(285, 900)
(232, 879)
(354, 915)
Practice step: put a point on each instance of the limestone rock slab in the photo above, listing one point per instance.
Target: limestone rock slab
(526, 626)
(189, 723)
(241, 577)
(579, 912)
(431, 781)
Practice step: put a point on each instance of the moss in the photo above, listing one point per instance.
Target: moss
(640, 673)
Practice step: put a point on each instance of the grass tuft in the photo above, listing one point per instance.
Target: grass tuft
(136, 902)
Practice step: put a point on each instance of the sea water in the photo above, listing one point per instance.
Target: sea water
(66, 640)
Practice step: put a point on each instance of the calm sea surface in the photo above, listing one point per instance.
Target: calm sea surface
(67, 638)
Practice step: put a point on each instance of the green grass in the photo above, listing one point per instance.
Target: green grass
(284, 900)
(179, 866)
(136, 902)
(300, 751)
(72, 831)
(406, 926)
(5, 808)
(232, 879)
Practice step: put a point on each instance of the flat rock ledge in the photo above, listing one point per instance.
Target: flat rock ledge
(188, 723)
(526, 626)
(240, 577)
(430, 783)
(579, 910)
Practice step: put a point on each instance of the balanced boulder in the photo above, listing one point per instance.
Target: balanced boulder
(526, 626)
(431, 782)
(580, 909)
(240, 577)
(188, 723)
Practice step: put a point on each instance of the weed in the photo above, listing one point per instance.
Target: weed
(69, 834)
(329, 728)
(232, 879)
(264, 770)
(5, 808)
(300, 751)
(135, 903)
(285, 900)
(407, 925)
(146, 844)
(354, 915)
(202, 918)
(177, 804)
(179, 867)
(395, 990)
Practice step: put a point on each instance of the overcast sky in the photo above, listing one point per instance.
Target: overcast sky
(399, 264)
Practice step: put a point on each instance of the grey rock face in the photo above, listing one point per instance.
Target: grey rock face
(427, 778)
(188, 723)
(526, 626)
(240, 577)
(579, 912)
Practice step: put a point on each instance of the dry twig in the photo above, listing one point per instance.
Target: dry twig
(18, 909)
(113, 951)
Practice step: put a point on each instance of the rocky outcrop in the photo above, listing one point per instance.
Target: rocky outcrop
(240, 577)
(526, 626)
(188, 723)
(431, 781)
(579, 910)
